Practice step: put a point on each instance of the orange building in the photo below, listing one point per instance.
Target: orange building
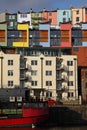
(81, 53)
(51, 17)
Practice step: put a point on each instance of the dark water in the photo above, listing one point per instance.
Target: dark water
(49, 128)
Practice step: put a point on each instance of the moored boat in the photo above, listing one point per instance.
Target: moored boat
(23, 113)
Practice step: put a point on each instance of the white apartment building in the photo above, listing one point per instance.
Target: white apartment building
(9, 70)
(42, 74)
(67, 84)
(57, 76)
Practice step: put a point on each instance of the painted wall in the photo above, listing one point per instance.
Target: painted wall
(15, 68)
(66, 27)
(84, 34)
(50, 15)
(24, 17)
(81, 53)
(23, 27)
(3, 27)
(45, 27)
(77, 12)
(63, 16)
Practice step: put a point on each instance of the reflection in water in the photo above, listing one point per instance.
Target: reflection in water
(48, 128)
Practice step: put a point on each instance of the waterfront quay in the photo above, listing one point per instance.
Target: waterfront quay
(67, 115)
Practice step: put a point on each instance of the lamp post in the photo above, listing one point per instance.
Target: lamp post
(75, 75)
(42, 74)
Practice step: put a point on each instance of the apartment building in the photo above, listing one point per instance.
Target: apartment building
(57, 78)
(42, 74)
(67, 79)
(9, 70)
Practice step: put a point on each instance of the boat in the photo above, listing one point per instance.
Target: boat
(25, 113)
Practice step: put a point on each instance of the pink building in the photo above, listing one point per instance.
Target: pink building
(51, 17)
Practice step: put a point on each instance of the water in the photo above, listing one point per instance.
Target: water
(49, 128)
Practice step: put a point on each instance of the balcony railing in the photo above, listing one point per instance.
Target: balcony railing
(61, 67)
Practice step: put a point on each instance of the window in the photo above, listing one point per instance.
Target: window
(77, 12)
(77, 19)
(86, 85)
(69, 63)
(10, 62)
(50, 14)
(48, 83)
(34, 72)
(10, 83)
(33, 62)
(64, 20)
(49, 73)
(70, 83)
(50, 20)
(11, 24)
(48, 62)
(85, 10)
(37, 14)
(34, 83)
(70, 73)
(11, 16)
(64, 12)
(70, 94)
(23, 15)
(86, 74)
(10, 72)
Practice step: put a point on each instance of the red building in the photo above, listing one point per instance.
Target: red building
(81, 53)
(65, 29)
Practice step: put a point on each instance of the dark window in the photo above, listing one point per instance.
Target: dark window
(49, 62)
(48, 83)
(34, 83)
(77, 19)
(70, 94)
(50, 14)
(64, 20)
(10, 72)
(64, 12)
(48, 73)
(86, 74)
(10, 83)
(77, 12)
(10, 62)
(33, 62)
(86, 85)
(70, 83)
(69, 63)
(70, 73)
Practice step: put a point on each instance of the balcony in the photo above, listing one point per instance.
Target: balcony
(65, 78)
(28, 78)
(22, 66)
(22, 76)
(28, 67)
(61, 67)
(65, 88)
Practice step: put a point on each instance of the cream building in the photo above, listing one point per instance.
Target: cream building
(9, 70)
(58, 79)
(78, 15)
(42, 72)
(67, 85)
(54, 77)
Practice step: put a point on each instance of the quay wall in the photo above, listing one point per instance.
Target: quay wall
(67, 115)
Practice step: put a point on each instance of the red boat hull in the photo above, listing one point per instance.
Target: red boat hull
(22, 121)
